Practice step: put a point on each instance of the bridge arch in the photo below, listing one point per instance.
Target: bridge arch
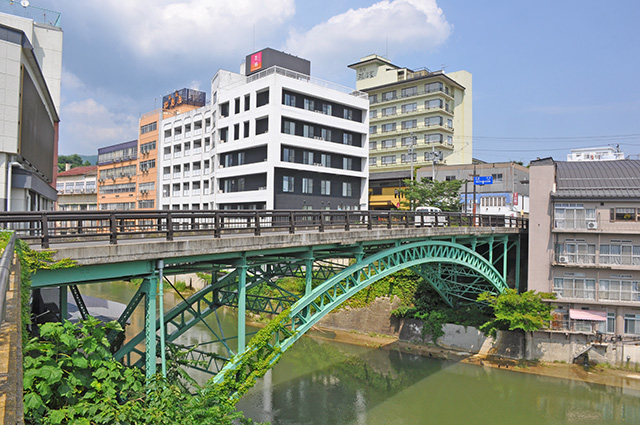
(429, 258)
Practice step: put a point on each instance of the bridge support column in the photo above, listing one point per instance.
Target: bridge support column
(518, 264)
(308, 270)
(242, 305)
(150, 284)
(63, 303)
(505, 245)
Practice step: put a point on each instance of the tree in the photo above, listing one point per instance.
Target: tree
(74, 160)
(443, 195)
(513, 311)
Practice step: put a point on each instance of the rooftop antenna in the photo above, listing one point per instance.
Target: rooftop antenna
(253, 47)
(443, 66)
(386, 53)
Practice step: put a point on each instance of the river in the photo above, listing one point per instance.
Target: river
(323, 382)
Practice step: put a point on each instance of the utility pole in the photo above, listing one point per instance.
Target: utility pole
(411, 207)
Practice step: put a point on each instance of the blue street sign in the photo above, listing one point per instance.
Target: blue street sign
(482, 180)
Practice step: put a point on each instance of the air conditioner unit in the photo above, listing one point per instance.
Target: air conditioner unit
(143, 190)
(592, 225)
(563, 259)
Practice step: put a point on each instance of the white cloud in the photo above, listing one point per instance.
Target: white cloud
(87, 125)
(407, 25)
(70, 81)
(195, 27)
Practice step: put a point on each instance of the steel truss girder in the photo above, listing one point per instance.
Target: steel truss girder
(307, 311)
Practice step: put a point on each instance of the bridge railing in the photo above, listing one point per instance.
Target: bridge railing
(50, 227)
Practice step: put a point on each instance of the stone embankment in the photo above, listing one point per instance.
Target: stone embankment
(558, 347)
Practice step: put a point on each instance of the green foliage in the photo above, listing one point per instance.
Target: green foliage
(30, 262)
(513, 311)
(434, 312)
(401, 284)
(443, 195)
(71, 377)
(74, 160)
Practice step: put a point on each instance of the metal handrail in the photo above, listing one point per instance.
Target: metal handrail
(78, 226)
(5, 274)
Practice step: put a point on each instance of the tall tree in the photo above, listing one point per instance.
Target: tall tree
(444, 195)
(75, 160)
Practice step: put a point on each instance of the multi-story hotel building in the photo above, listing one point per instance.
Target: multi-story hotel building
(415, 118)
(30, 74)
(273, 138)
(77, 189)
(584, 242)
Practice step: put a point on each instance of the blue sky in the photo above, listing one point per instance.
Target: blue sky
(548, 76)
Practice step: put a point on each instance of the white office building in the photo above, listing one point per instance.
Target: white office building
(30, 75)
(273, 137)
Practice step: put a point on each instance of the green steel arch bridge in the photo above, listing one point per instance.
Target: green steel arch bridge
(337, 253)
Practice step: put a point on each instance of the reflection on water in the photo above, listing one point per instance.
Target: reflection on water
(319, 382)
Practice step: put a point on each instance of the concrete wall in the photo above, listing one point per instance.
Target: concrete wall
(542, 177)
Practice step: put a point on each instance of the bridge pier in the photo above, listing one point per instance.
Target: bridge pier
(242, 305)
(150, 291)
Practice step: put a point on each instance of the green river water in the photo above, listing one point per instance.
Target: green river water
(323, 382)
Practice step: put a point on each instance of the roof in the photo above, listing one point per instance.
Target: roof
(91, 169)
(598, 179)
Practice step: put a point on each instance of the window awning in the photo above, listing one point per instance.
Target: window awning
(596, 316)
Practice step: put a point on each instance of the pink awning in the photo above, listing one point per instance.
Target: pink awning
(596, 316)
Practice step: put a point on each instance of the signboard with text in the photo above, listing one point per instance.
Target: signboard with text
(482, 180)
(256, 61)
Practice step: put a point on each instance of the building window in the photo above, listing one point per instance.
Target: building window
(450, 124)
(325, 187)
(373, 161)
(390, 95)
(307, 157)
(347, 114)
(388, 143)
(325, 160)
(388, 111)
(287, 183)
(388, 159)
(373, 113)
(632, 324)
(574, 216)
(373, 129)
(618, 289)
(410, 91)
(309, 105)
(307, 185)
(623, 214)
(432, 87)
(347, 139)
(289, 99)
(326, 134)
(572, 287)
(431, 121)
(619, 252)
(308, 131)
(373, 146)
(347, 163)
(407, 158)
(147, 203)
(433, 138)
(433, 104)
(409, 124)
(408, 141)
(574, 251)
(388, 127)
(346, 189)
(288, 155)
(289, 127)
(327, 109)
(409, 107)
(148, 128)
(449, 178)
(373, 98)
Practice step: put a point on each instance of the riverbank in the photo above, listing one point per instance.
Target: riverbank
(601, 375)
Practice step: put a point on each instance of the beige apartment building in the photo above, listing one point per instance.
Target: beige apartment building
(584, 243)
(416, 117)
